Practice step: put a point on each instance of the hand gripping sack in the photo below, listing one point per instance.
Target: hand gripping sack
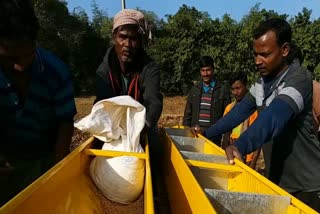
(117, 121)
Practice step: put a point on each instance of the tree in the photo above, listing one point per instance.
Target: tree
(306, 34)
(71, 37)
(101, 23)
(177, 45)
(52, 15)
(178, 49)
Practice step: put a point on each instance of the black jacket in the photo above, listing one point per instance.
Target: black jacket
(220, 99)
(148, 83)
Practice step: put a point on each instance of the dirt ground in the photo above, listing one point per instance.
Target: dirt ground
(172, 114)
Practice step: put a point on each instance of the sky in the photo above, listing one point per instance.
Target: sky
(216, 8)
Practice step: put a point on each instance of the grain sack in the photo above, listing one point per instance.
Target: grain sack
(117, 121)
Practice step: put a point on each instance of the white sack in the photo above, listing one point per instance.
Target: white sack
(120, 179)
(117, 121)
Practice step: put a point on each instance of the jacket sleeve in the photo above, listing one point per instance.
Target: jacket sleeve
(236, 115)
(188, 112)
(268, 125)
(152, 96)
(227, 99)
(103, 89)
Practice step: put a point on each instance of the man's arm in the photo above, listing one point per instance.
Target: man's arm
(103, 89)
(65, 109)
(64, 136)
(289, 103)
(152, 96)
(227, 97)
(237, 114)
(187, 112)
(268, 125)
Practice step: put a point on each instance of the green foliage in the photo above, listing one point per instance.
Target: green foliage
(73, 38)
(178, 42)
(307, 37)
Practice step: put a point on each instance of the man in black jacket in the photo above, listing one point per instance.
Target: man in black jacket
(128, 70)
(207, 100)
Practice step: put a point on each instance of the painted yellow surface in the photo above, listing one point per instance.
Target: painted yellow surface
(148, 192)
(184, 194)
(67, 187)
(104, 153)
(190, 196)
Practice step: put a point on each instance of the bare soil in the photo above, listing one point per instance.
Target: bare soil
(172, 114)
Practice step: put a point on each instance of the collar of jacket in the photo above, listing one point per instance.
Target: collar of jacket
(107, 62)
(217, 85)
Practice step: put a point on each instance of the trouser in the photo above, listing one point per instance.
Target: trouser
(312, 199)
(155, 150)
(20, 175)
(267, 152)
(158, 178)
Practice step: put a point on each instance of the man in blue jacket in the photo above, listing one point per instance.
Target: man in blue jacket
(283, 97)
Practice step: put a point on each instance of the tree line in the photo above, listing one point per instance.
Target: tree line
(178, 42)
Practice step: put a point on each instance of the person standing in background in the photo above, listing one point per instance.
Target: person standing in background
(206, 100)
(239, 89)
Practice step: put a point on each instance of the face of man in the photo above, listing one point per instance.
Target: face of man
(17, 55)
(127, 42)
(206, 74)
(270, 58)
(238, 90)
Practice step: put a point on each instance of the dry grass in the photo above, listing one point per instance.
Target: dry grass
(84, 105)
(173, 109)
(174, 105)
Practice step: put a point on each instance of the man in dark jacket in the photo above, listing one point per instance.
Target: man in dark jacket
(207, 100)
(127, 69)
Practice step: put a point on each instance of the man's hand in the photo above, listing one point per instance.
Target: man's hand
(233, 152)
(195, 130)
(64, 136)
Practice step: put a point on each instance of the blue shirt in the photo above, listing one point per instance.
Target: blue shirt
(30, 129)
(206, 88)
